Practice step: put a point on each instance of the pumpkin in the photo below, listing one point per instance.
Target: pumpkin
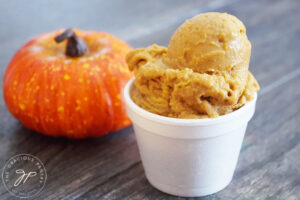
(72, 88)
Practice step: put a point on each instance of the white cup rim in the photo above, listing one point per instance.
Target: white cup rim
(183, 122)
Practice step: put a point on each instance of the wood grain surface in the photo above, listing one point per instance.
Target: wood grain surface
(110, 167)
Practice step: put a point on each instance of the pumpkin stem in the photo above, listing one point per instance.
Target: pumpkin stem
(76, 47)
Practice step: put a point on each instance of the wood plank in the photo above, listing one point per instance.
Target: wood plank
(72, 164)
(268, 165)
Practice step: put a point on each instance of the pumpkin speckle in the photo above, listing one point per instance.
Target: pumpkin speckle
(51, 87)
(67, 77)
(86, 66)
(118, 96)
(21, 106)
(60, 108)
(56, 69)
(80, 80)
(126, 122)
(77, 101)
(62, 93)
(117, 104)
(85, 98)
(47, 100)
(77, 108)
(15, 82)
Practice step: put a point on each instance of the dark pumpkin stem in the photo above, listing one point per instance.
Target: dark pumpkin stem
(76, 47)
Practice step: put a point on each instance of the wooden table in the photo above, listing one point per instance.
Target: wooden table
(110, 167)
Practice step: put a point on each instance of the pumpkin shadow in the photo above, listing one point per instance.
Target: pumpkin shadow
(47, 148)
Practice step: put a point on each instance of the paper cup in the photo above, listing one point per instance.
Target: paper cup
(188, 157)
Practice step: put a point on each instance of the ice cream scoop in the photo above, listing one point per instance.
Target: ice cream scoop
(210, 42)
(203, 72)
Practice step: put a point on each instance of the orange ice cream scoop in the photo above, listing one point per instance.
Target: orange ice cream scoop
(210, 42)
(203, 72)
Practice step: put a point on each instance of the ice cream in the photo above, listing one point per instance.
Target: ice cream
(203, 72)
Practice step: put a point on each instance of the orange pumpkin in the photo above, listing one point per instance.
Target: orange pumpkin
(60, 95)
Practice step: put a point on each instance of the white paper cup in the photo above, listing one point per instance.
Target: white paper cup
(188, 157)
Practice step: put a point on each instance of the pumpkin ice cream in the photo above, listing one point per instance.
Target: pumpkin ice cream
(202, 73)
